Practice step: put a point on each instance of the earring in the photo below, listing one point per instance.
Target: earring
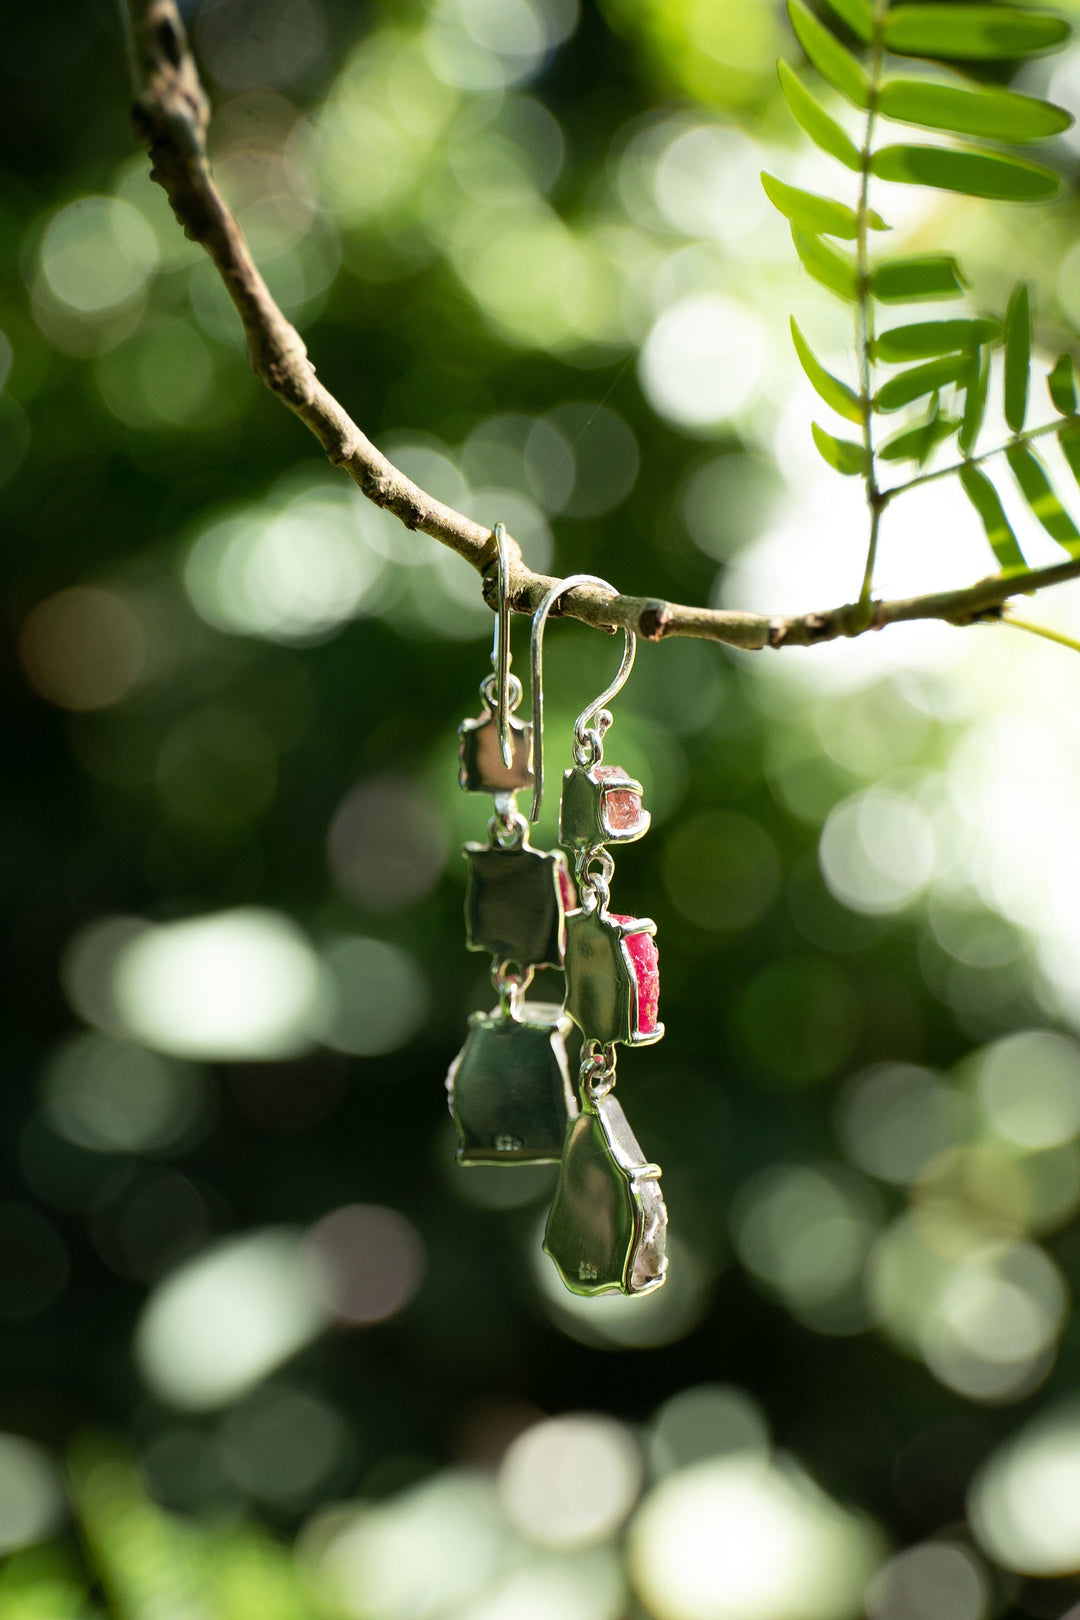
(509, 1087)
(607, 1228)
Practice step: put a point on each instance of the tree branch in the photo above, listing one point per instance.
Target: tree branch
(171, 114)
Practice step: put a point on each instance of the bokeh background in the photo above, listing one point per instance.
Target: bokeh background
(265, 1350)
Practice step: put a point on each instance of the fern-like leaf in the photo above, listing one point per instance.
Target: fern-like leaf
(972, 33)
(922, 276)
(826, 264)
(836, 65)
(974, 174)
(814, 121)
(918, 381)
(1038, 492)
(842, 455)
(996, 115)
(986, 501)
(844, 400)
(1062, 385)
(1017, 357)
(977, 386)
(924, 339)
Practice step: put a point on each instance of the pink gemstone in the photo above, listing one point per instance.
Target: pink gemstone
(646, 967)
(622, 809)
(567, 890)
(621, 803)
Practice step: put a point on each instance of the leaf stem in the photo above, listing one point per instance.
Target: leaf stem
(1028, 434)
(864, 314)
(1041, 630)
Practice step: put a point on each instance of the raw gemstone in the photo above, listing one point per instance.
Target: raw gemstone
(646, 971)
(621, 805)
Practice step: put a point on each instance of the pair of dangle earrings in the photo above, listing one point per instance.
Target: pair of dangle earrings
(509, 1088)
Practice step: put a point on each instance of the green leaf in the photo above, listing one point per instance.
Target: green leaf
(847, 458)
(914, 443)
(976, 174)
(859, 16)
(998, 115)
(1037, 490)
(925, 275)
(977, 384)
(818, 215)
(919, 380)
(972, 33)
(834, 392)
(833, 62)
(811, 212)
(1062, 385)
(984, 498)
(923, 339)
(1069, 440)
(1017, 357)
(812, 118)
(826, 264)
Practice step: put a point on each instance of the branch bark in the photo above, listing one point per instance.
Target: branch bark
(171, 114)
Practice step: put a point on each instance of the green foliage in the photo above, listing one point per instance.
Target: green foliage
(843, 399)
(977, 392)
(814, 214)
(841, 454)
(916, 279)
(923, 339)
(1069, 440)
(826, 264)
(814, 121)
(1038, 492)
(986, 501)
(858, 14)
(975, 174)
(972, 33)
(918, 440)
(1017, 357)
(996, 115)
(918, 381)
(835, 64)
(1062, 385)
(953, 355)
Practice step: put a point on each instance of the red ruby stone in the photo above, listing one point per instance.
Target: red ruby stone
(567, 890)
(645, 959)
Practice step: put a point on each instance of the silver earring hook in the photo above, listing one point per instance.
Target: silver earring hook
(540, 618)
(500, 652)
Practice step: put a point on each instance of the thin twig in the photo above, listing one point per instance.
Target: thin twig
(864, 323)
(172, 114)
(1041, 630)
(973, 461)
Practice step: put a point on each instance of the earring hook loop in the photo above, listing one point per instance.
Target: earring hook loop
(540, 618)
(500, 652)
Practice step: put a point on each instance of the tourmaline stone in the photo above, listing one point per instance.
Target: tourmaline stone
(612, 982)
(600, 804)
(646, 964)
(621, 805)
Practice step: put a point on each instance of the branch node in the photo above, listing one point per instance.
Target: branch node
(654, 620)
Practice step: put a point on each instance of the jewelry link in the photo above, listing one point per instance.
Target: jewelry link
(597, 1073)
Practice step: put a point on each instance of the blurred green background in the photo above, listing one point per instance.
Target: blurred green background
(265, 1350)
